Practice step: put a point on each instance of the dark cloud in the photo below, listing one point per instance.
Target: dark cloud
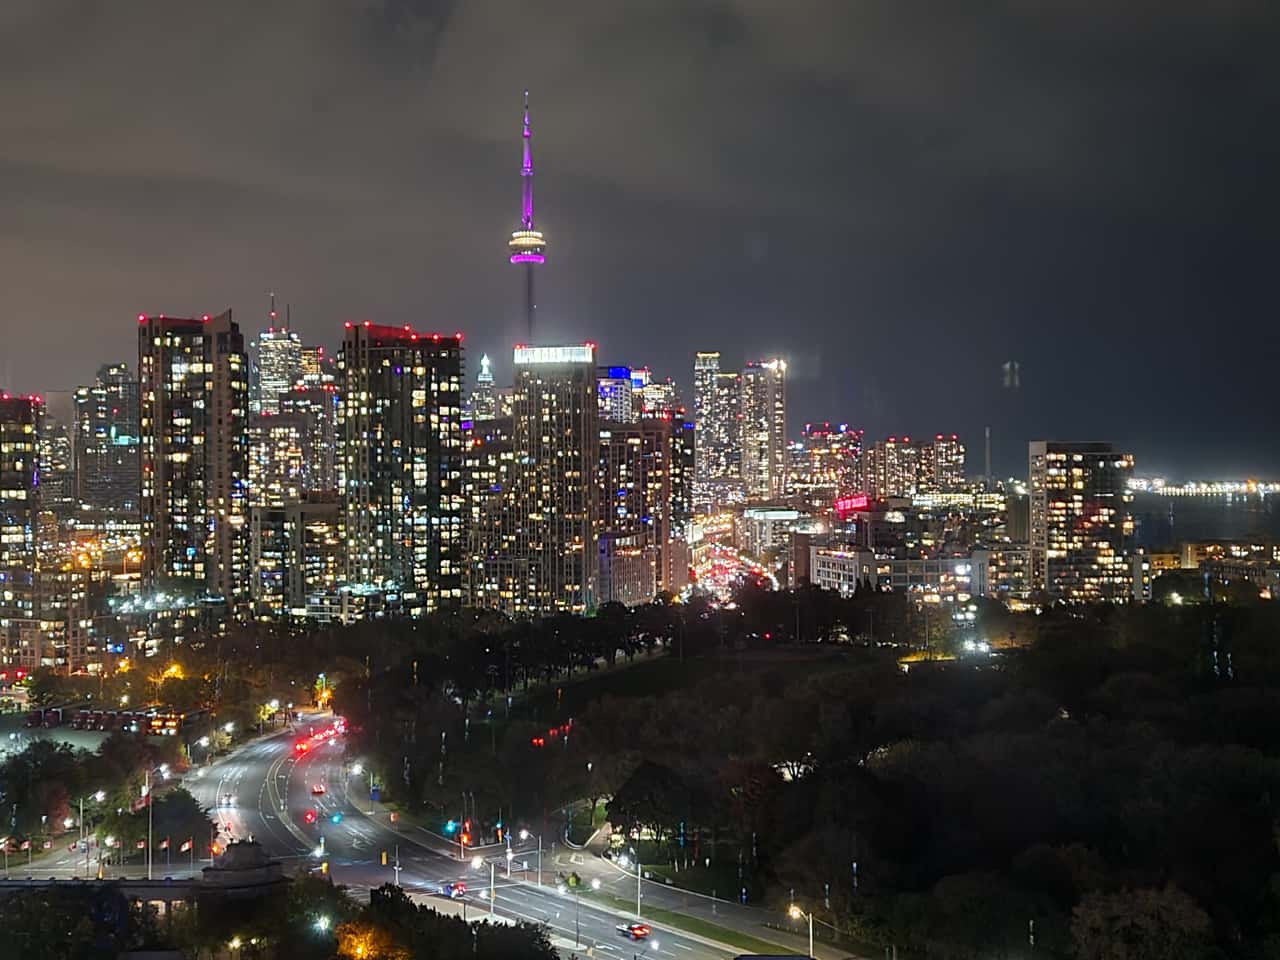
(899, 195)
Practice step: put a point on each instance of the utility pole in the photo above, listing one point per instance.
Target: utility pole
(147, 789)
(491, 891)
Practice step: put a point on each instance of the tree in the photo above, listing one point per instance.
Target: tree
(1144, 924)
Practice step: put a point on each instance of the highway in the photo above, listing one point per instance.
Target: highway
(272, 786)
(267, 791)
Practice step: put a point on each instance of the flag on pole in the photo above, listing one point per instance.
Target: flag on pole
(164, 844)
(186, 846)
(141, 844)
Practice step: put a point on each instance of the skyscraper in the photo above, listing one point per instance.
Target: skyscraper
(401, 463)
(764, 429)
(717, 406)
(106, 440)
(527, 245)
(279, 366)
(193, 408)
(556, 438)
(20, 421)
(1080, 521)
(484, 399)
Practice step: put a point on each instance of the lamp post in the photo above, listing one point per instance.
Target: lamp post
(797, 914)
(524, 835)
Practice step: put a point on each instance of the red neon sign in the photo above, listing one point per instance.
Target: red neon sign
(859, 501)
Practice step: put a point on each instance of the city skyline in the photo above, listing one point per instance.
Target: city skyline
(939, 203)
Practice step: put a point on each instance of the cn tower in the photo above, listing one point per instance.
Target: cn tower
(527, 245)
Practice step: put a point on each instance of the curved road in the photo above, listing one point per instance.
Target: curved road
(272, 787)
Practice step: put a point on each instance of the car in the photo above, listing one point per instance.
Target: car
(634, 931)
(227, 800)
(317, 789)
(453, 889)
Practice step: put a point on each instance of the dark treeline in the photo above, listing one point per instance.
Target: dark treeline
(1113, 779)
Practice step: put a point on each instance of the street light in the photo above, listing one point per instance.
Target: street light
(524, 835)
(798, 914)
(322, 924)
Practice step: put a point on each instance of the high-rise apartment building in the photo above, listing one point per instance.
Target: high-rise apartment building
(57, 458)
(717, 412)
(645, 503)
(763, 429)
(497, 577)
(826, 465)
(556, 439)
(1080, 521)
(946, 457)
(106, 441)
(619, 401)
(902, 467)
(193, 409)
(20, 422)
(401, 429)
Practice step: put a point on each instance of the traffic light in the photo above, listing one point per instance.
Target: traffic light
(337, 817)
(324, 867)
(451, 827)
(309, 816)
(465, 839)
(384, 858)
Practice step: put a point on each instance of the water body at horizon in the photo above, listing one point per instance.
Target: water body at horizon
(1163, 522)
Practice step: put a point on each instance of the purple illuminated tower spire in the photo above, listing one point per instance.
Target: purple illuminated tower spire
(527, 245)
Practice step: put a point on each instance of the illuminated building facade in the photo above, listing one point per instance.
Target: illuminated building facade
(902, 467)
(484, 400)
(20, 423)
(193, 409)
(706, 369)
(1080, 521)
(315, 408)
(279, 456)
(645, 502)
(946, 457)
(316, 368)
(497, 577)
(619, 401)
(106, 441)
(298, 553)
(57, 459)
(279, 365)
(556, 437)
(401, 428)
(763, 429)
(825, 465)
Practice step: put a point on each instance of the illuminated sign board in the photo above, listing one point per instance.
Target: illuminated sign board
(859, 501)
(586, 353)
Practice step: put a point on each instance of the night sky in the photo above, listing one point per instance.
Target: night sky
(899, 197)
